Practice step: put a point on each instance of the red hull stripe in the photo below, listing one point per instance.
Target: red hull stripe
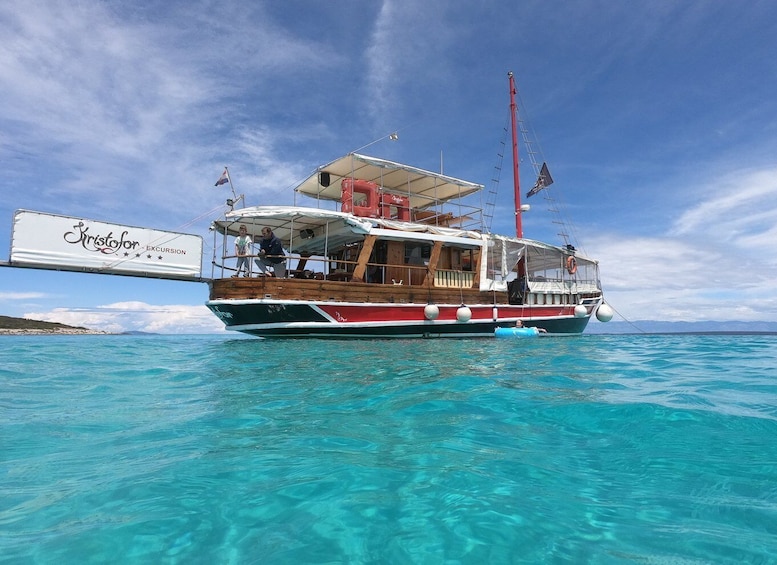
(340, 313)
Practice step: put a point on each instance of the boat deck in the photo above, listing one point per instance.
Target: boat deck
(245, 288)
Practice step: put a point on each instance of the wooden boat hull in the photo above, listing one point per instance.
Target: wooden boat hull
(269, 307)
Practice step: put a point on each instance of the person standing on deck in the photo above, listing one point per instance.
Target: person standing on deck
(271, 254)
(243, 243)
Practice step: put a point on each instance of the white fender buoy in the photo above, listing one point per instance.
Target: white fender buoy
(463, 314)
(580, 311)
(431, 311)
(604, 313)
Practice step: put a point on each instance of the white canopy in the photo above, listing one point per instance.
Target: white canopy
(312, 230)
(423, 188)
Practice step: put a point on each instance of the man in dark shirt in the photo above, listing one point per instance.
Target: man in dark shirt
(271, 254)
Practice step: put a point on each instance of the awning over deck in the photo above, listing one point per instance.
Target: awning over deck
(312, 230)
(424, 188)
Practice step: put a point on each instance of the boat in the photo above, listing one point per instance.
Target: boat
(388, 250)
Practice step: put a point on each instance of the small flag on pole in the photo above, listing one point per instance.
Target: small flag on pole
(543, 181)
(223, 179)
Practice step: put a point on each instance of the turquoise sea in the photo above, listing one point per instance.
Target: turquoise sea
(657, 449)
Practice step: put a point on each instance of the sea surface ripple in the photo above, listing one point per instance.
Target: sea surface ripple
(220, 449)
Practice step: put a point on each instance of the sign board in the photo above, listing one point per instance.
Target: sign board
(62, 242)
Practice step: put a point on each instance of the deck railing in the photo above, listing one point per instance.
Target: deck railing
(342, 270)
(445, 278)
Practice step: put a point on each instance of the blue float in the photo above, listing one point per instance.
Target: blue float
(516, 332)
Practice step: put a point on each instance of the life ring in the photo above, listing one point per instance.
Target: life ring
(571, 265)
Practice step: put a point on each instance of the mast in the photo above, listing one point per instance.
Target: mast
(516, 178)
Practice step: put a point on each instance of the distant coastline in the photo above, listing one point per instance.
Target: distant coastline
(657, 327)
(23, 326)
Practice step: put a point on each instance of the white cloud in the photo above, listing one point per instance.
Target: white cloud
(14, 296)
(408, 39)
(740, 208)
(73, 74)
(715, 263)
(136, 316)
(122, 112)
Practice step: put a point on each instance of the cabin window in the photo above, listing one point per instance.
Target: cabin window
(417, 253)
(503, 259)
(466, 260)
(461, 259)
